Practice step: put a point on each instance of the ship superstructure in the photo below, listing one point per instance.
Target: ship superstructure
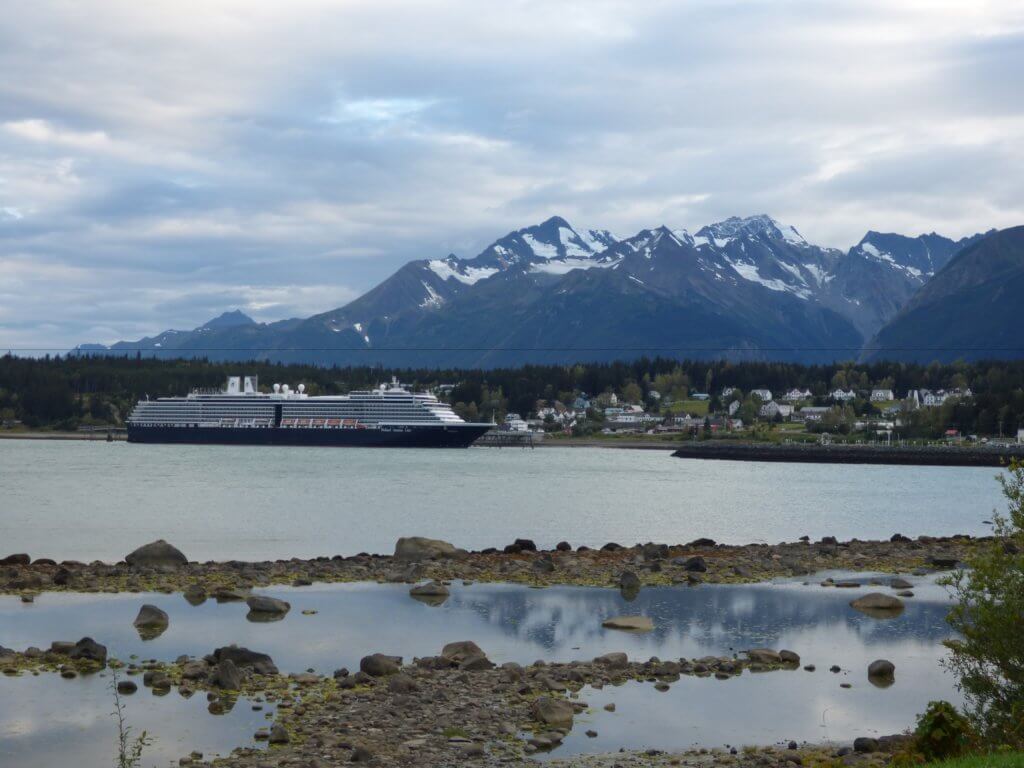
(389, 415)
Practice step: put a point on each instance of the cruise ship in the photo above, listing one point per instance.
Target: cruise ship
(388, 416)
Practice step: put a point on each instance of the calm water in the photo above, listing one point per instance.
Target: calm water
(94, 500)
(46, 721)
(516, 623)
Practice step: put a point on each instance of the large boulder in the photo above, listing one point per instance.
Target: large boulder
(557, 713)
(614, 660)
(158, 555)
(420, 548)
(261, 663)
(466, 655)
(379, 665)
(88, 649)
(19, 559)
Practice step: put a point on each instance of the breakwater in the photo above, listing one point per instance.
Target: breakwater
(950, 456)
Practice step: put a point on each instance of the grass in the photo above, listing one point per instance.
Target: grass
(693, 407)
(1012, 760)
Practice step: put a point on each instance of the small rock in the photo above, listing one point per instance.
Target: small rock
(865, 744)
(876, 601)
(882, 669)
(556, 712)
(227, 676)
(613, 660)
(278, 734)
(430, 589)
(150, 617)
(267, 605)
(629, 623)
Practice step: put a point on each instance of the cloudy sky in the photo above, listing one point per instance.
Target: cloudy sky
(161, 162)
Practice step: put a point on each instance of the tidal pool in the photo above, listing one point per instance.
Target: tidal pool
(517, 623)
(47, 721)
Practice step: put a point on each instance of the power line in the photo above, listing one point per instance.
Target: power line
(665, 348)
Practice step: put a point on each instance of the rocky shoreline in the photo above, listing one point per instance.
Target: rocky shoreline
(162, 568)
(458, 707)
(455, 708)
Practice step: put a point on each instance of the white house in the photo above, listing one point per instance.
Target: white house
(933, 399)
(700, 396)
(764, 394)
(841, 396)
(727, 391)
(882, 395)
(812, 413)
(733, 407)
(772, 409)
(797, 394)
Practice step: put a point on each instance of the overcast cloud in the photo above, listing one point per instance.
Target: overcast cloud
(161, 162)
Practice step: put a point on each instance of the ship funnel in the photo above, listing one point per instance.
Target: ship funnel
(234, 385)
(302, 388)
(277, 389)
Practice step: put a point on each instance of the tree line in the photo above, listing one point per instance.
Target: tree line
(69, 391)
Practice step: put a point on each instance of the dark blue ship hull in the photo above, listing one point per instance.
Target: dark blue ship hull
(411, 436)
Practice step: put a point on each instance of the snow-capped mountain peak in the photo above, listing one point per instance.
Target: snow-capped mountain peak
(722, 232)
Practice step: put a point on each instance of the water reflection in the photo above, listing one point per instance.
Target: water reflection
(331, 626)
(47, 721)
(513, 623)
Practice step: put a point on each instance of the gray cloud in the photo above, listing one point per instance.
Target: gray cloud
(159, 166)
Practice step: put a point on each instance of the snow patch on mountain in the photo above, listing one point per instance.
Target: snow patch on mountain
(749, 271)
(464, 273)
(433, 299)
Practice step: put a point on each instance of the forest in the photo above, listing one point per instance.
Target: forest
(66, 392)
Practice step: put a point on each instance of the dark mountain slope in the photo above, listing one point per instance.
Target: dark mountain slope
(972, 309)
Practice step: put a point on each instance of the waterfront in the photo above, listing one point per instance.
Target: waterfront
(95, 500)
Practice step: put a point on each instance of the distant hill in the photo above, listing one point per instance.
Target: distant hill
(742, 289)
(973, 309)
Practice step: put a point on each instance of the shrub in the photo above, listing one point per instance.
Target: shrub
(942, 732)
(988, 659)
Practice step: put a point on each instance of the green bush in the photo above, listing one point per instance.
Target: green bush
(942, 732)
(988, 659)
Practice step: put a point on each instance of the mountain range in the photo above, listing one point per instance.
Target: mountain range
(743, 288)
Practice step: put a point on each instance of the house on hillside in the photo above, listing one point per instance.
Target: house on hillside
(796, 394)
(734, 406)
(1020, 435)
(882, 395)
(764, 394)
(727, 392)
(811, 413)
(772, 409)
(843, 396)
